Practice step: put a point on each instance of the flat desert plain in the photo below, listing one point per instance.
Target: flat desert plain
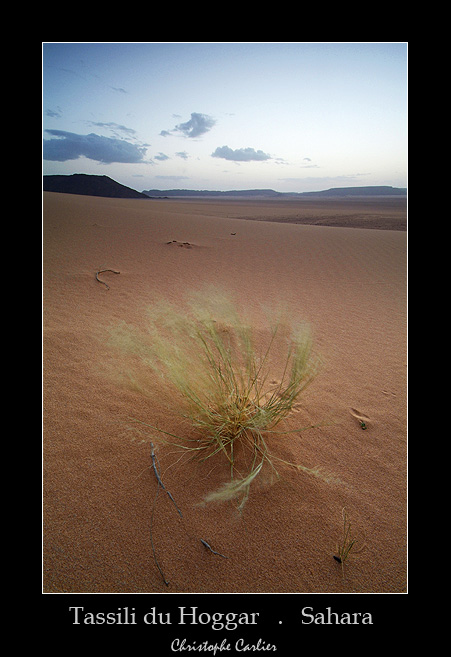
(339, 265)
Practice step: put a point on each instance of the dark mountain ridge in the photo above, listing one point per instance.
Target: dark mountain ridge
(88, 185)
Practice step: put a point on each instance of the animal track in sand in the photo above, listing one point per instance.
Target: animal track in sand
(361, 418)
(184, 245)
(388, 393)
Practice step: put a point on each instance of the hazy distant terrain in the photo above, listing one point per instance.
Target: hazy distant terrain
(271, 194)
(91, 185)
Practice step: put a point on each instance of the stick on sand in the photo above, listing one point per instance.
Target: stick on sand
(160, 483)
(101, 271)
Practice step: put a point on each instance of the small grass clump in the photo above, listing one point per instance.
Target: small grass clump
(232, 386)
(348, 543)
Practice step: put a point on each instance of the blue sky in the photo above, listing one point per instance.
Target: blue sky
(286, 116)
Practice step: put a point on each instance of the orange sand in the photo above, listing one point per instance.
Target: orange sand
(99, 492)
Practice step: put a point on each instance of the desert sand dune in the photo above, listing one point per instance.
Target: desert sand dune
(348, 281)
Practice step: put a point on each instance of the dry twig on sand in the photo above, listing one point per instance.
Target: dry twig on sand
(157, 475)
(101, 271)
(160, 483)
(211, 549)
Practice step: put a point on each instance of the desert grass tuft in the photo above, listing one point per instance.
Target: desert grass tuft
(348, 543)
(233, 387)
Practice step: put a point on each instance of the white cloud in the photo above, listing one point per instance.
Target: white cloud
(71, 146)
(240, 154)
(198, 125)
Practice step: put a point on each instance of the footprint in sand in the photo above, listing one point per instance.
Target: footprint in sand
(388, 393)
(361, 418)
(184, 245)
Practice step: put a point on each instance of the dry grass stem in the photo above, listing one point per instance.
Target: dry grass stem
(347, 544)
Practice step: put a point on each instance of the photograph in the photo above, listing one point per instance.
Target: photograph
(224, 337)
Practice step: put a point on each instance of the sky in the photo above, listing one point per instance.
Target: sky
(288, 116)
